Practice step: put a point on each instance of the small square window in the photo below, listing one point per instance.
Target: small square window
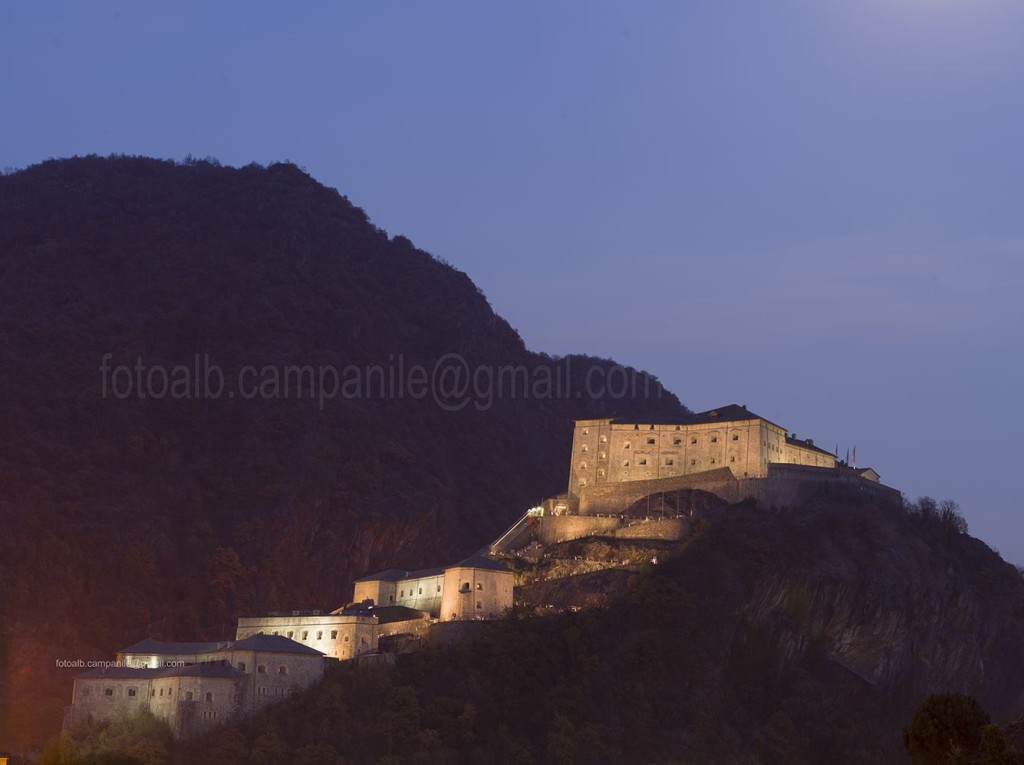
(732, 459)
(693, 440)
(735, 438)
(693, 462)
(625, 463)
(677, 441)
(110, 692)
(650, 441)
(479, 585)
(668, 461)
(714, 439)
(625, 445)
(642, 461)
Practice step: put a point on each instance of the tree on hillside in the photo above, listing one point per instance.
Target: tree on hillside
(946, 730)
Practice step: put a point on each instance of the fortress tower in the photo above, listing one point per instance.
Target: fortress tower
(614, 451)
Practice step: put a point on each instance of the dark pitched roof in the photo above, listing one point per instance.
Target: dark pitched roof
(389, 614)
(479, 561)
(122, 673)
(160, 646)
(424, 572)
(807, 445)
(206, 669)
(390, 575)
(730, 413)
(272, 644)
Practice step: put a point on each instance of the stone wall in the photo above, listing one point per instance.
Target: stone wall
(476, 593)
(615, 497)
(340, 636)
(660, 528)
(604, 452)
(561, 528)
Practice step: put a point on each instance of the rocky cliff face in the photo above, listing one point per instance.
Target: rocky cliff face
(909, 608)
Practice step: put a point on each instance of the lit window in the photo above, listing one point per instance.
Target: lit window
(479, 585)
(584, 449)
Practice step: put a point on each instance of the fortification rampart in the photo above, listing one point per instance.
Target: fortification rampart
(601, 507)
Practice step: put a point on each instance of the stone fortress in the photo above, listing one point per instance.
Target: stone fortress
(196, 686)
(727, 454)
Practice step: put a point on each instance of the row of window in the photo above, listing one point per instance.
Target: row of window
(402, 593)
(261, 669)
(290, 634)
(675, 442)
(134, 692)
(669, 462)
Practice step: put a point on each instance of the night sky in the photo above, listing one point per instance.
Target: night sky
(812, 208)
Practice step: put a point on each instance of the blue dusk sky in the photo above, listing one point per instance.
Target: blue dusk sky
(810, 207)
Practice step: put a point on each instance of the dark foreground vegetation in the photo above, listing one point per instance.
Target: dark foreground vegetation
(735, 650)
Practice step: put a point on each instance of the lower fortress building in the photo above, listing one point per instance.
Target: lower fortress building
(194, 686)
(727, 454)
